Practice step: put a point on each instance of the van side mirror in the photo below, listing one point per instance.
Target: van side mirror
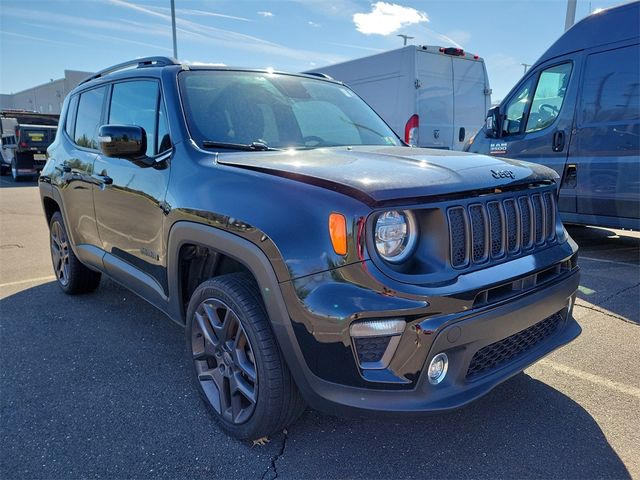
(123, 141)
(493, 123)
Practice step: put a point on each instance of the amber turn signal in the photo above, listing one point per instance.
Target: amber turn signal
(338, 233)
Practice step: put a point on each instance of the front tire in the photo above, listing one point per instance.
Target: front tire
(72, 276)
(239, 369)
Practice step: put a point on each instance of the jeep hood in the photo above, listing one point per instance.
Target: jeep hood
(380, 174)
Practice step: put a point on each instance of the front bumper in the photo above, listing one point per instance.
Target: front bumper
(326, 370)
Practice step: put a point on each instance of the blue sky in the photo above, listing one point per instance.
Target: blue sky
(39, 39)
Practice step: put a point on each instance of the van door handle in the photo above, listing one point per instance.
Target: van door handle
(570, 178)
(558, 141)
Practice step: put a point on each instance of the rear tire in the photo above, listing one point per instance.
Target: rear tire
(238, 367)
(72, 276)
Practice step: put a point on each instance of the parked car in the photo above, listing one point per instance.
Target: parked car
(431, 96)
(25, 138)
(577, 110)
(310, 255)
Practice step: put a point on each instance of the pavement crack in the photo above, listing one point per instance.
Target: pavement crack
(605, 312)
(624, 290)
(273, 467)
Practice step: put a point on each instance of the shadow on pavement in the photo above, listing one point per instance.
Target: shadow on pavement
(522, 429)
(611, 270)
(98, 385)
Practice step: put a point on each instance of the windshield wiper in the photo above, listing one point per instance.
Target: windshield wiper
(249, 147)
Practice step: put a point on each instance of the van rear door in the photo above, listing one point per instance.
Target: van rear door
(470, 90)
(435, 99)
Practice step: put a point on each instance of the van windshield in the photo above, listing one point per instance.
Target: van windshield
(281, 111)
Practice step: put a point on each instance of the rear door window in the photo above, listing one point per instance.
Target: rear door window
(549, 96)
(89, 117)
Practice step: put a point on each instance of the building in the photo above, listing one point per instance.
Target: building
(46, 98)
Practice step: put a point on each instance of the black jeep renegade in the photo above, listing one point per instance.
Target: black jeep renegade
(312, 256)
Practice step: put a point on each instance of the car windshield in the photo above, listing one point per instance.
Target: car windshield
(278, 111)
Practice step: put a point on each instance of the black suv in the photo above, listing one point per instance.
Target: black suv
(311, 255)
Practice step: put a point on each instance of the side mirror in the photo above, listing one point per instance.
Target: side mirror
(493, 123)
(124, 141)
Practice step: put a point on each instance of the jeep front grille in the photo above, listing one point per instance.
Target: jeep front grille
(490, 230)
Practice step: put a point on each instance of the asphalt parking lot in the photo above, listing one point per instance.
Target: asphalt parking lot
(98, 386)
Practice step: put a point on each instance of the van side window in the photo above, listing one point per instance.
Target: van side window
(136, 103)
(549, 96)
(516, 109)
(89, 117)
(611, 91)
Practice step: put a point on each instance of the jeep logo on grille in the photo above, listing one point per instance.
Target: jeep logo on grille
(502, 174)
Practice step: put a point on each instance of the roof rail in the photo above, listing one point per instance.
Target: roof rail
(319, 74)
(138, 63)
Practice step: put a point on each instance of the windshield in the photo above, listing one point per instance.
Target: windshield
(281, 111)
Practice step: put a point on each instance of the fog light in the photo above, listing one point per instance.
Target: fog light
(438, 368)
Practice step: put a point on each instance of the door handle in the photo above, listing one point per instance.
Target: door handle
(570, 178)
(558, 141)
(104, 179)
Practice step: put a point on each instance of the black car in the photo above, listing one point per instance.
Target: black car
(25, 138)
(311, 255)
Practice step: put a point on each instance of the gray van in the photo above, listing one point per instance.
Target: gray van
(577, 110)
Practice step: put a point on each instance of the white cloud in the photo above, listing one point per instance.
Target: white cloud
(265, 14)
(314, 24)
(387, 18)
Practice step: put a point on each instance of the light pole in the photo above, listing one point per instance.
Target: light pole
(571, 14)
(405, 38)
(526, 66)
(173, 28)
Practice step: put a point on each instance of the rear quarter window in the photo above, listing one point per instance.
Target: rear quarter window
(89, 117)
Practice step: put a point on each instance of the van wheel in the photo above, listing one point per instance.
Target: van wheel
(72, 276)
(4, 169)
(238, 367)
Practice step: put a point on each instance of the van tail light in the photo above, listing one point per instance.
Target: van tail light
(23, 144)
(411, 130)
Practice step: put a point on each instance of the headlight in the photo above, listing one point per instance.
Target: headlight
(396, 234)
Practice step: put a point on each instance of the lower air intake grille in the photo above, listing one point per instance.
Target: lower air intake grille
(371, 349)
(499, 353)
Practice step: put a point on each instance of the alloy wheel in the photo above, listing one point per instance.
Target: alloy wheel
(224, 361)
(60, 253)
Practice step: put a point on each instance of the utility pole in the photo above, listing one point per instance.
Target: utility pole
(526, 66)
(405, 38)
(571, 14)
(173, 28)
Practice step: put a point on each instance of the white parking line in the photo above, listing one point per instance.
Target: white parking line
(30, 280)
(628, 264)
(619, 387)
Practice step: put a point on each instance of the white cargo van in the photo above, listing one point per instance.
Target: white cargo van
(431, 96)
